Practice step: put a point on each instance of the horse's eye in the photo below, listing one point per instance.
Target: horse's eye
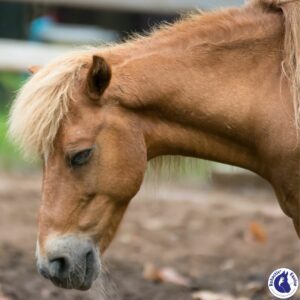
(80, 158)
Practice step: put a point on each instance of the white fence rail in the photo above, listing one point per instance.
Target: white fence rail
(19, 55)
(158, 6)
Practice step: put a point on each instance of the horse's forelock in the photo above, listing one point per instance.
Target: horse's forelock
(43, 102)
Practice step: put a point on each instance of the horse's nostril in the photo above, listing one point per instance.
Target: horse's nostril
(89, 259)
(89, 254)
(59, 267)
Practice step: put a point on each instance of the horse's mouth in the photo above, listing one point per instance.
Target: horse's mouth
(73, 269)
(81, 279)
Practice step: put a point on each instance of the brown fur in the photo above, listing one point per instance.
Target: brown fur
(210, 86)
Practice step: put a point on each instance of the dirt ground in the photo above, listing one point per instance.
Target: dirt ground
(224, 240)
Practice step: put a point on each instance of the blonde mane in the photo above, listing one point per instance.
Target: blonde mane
(44, 101)
(291, 62)
(291, 59)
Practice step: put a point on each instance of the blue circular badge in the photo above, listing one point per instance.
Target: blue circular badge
(283, 283)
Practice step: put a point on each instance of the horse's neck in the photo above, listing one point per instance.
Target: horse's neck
(204, 100)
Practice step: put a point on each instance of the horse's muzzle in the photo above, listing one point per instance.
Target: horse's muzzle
(70, 262)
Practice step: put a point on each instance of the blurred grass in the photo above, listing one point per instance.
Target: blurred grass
(10, 156)
(10, 82)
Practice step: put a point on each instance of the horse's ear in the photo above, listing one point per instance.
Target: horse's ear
(98, 77)
(34, 69)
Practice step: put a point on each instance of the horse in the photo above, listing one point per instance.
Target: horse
(221, 86)
(281, 283)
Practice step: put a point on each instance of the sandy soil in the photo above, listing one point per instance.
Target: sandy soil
(203, 233)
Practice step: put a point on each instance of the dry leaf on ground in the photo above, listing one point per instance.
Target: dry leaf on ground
(257, 232)
(170, 275)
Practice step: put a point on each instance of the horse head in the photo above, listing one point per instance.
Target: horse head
(94, 161)
(281, 283)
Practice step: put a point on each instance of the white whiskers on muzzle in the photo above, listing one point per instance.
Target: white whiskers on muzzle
(70, 261)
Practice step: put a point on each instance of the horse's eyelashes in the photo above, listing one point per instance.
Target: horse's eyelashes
(80, 158)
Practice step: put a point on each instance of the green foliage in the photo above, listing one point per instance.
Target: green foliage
(10, 157)
(10, 82)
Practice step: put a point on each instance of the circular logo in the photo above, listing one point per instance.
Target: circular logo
(283, 283)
